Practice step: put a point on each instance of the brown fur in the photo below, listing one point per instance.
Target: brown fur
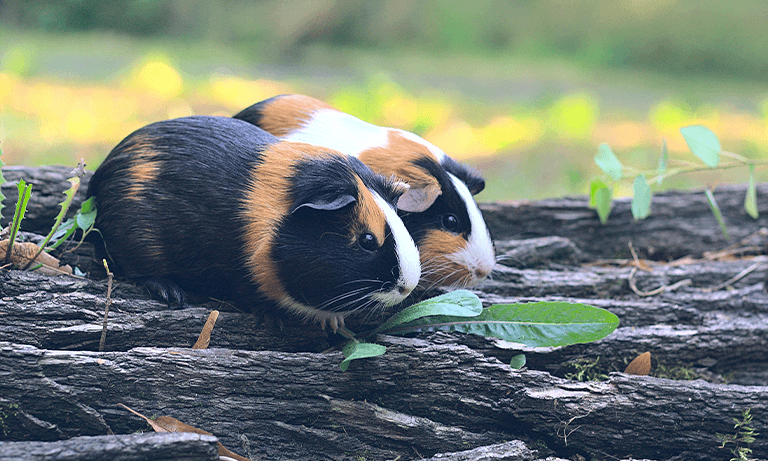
(398, 158)
(289, 113)
(436, 266)
(264, 213)
(143, 169)
(371, 218)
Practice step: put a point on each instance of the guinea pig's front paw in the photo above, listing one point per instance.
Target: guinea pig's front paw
(335, 321)
(166, 291)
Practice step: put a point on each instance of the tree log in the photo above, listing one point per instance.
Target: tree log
(270, 386)
(178, 446)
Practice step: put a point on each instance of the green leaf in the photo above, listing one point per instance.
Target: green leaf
(641, 200)
(604, 201)
(85, 220)
(716, 211)
(459, 303)
(750, 201)
(600, 198)
(517, 361)
(595, 186)
(25, 191)
(608, 162)
(355, 350)
(703, 143)
(541, 324)
(662, 167)
(64, 232)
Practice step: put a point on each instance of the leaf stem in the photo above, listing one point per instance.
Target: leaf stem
(697, 168)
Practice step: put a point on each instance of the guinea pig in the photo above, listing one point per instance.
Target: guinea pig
(439, 211)
(219, 206)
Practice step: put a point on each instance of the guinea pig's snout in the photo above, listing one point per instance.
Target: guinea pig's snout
(481, 273)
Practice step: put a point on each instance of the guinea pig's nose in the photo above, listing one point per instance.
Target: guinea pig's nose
(403, 290)
(481, 273)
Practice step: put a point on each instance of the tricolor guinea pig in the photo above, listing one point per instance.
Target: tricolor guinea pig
(439, 211)
(218, 206)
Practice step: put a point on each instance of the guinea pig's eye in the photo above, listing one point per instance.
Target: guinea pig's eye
(368, 242)
(450, 222)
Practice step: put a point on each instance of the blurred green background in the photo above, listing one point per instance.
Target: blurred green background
(523, 90)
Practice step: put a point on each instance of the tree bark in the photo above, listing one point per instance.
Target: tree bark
(270, 387)
(178, 446)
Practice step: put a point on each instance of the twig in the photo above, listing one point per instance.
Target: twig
(566, 433)
(637, 261)
(735, 278)
(106, 307)
(205, 335)
(661, 289)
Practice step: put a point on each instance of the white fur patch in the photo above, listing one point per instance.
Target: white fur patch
(334, 319)
(339, 131)
(478, 255)
(349, 135)
(407, 257)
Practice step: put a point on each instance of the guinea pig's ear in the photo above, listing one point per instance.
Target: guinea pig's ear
(475, 184)
(328, 203)
(418, 199)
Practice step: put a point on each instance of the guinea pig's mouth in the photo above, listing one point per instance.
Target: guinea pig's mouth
(392, 294)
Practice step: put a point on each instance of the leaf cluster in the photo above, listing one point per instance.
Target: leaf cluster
(702, 142)
(743, 437)
(84, 220)
(541, 324)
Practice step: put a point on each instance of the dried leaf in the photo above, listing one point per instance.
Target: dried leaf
(23, 252)
(640, 366)
(205, 335)
(168, 424)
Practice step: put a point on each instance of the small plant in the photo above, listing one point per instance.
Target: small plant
(25, 191)
(542, 324)
(586, 370)
(676, 372)
(741, 440)
(84, 220)
(702, 142)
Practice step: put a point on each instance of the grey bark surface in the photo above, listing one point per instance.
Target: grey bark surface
(271, 388)
(177, 446)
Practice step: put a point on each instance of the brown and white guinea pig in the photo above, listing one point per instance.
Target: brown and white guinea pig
(218, 206)
(439, 211)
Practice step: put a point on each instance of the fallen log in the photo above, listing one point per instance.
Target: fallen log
(133, 447)
(446, 395)
(302, 406)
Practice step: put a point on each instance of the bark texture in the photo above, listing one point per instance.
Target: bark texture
(270, 387)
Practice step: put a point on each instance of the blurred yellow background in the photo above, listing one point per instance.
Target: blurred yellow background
(524, 92)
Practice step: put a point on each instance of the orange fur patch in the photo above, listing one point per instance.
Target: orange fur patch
(370, 217)
(289, 113)
(398, 158)
(143, 169)
(436, 267)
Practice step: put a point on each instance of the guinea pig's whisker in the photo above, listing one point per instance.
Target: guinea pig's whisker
(343, 300)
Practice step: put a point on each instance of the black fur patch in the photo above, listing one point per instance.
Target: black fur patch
(475, 183)
(311, 239)
(185, 228)
(449, 202)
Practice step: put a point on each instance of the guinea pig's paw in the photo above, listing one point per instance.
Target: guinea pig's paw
(335, 321)
(167, 291)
